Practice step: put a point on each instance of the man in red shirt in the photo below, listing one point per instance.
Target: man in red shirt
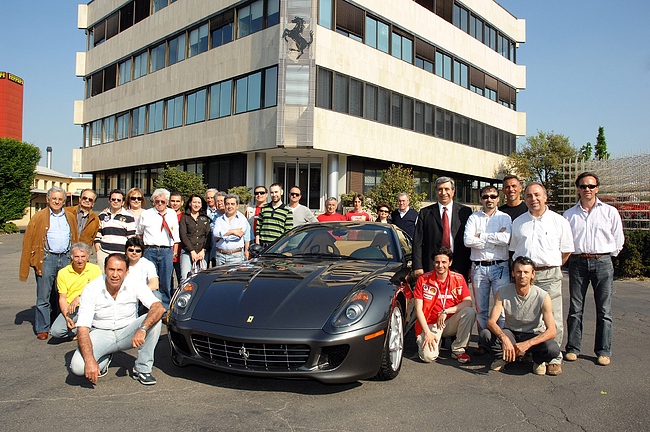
(443, 306)
(330, 214)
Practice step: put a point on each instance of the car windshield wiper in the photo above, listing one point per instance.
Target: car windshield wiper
(324, 255)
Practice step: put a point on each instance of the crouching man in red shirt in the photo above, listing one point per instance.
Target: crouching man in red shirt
(443, 306)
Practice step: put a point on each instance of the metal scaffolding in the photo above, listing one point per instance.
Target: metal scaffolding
(624, 183)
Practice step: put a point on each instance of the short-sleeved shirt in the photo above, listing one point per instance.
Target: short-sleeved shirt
(437, 295)
(100, 310)
(523, 314)
(357, 217)
(71, 283)
(515, 211)
(334, 217)
(542, 239)
(143, 270)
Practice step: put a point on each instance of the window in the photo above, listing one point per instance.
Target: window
(443, 65)
(174, 112)
(341, 93)
(396, 110)
(306, 174)
(424, 64)
(356, 98)
(440, 123)
(349, 20)
(270, 87)
(97, 83)
(140, 66)
(142, 10)
(96, 128)
(272, 12)
(407, 113)
(86, 138)
(155, 117)
(377, 34)
(159, 4)
(125, 71)
(126, 16)
(383, 106)
(158, 57)
(324, 94)
(248, 93)
(110, 77)
(112, 25)
(196, 107)
(177, 49)
(220, 99)
(429, 120)
(109, 129)
(250, 18)
(198, 40)
(123, 126)
(325, 13)
(99, 33)
(476, 28)
(461, 18)
(419, 117)
(371, 102)
(139, 118)
(461, 72)
(222, 35)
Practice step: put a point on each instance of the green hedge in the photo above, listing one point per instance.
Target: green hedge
(634, 259)
(9, 228)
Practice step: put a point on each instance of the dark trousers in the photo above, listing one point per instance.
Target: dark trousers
(543, 352)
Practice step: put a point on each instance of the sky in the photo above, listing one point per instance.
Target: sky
(587, 65)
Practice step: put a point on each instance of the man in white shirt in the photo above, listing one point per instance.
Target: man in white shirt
(487, 234)
(232, 233)
(598, 236)
(545, 237)
(158, 227)
(301, 213)
(107, 323)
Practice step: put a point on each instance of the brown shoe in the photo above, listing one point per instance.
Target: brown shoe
(603, 360)
(42, 335)
(571, 357)
(554, 369)
(479, 351)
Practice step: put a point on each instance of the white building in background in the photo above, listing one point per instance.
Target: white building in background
(319, 93)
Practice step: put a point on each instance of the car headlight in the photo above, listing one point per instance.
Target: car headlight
(353, 310)
(181, 301)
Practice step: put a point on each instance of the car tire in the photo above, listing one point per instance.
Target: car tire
(391, 358)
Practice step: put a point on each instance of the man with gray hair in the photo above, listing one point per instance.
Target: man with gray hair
(158, 227)
(213, 214)
(330, 214)
(46, 248)
(442, 225)
(71, 281)
(232, 233)
(403, 216)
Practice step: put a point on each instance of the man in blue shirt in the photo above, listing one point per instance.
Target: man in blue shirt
(232, 233)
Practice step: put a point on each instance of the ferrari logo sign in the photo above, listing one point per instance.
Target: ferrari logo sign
(250, 319)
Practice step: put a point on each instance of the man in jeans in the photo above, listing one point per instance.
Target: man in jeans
(598, 236)
(232, 233)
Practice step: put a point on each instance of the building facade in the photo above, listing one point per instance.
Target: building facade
(11, 106)
(319, 93)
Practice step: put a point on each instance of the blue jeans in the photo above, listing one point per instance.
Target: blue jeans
(233, 258)
(186, 265)
(486, 280)
(60, 326)
(163, 259)
(45, 285)
(106, 342)
(600, 272)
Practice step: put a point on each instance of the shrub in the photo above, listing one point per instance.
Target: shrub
(243, 192)
(9, 228)
(634, 259)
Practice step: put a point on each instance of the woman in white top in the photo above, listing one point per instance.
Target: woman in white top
(139, 267)
(135, 203)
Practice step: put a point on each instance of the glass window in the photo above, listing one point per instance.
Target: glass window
(198, 40)
(383, 106)
(250, 18)
(140, 179)
(341, 93)
(325, 13)
(407, 113)
(96, 133)
(215, 100)
(464, 75)
(446, 74)
(244, 27)
(356, 98)
(407, 50)
(196, 107)
(109, 129)
(122, 126)
(158, 57)
(397, 46)
(140, 67)
(254, 91)
(439, 63)
(273, 12)
(125, 71)
(270, 87)
(440, 123)
(382, 37)
(396, 110)
(324, 89)
(139, 119)
(428, 119)
(448, 126)
(86, 139)
(371, 32)
(371, 102)
(159, 4)
(155, 117)
(177, 49)
(241, 95)
(174, 112)
(419, 117)
(225, 105)
(222, 35)
(257, 16)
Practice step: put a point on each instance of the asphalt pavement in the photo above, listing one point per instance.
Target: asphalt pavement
(37, 392)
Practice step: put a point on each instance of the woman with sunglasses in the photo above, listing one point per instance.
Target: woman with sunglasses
(383, 214)
(195, 232)
(140, 267)
(135, 203)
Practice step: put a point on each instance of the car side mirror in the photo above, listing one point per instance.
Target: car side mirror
(255, 250)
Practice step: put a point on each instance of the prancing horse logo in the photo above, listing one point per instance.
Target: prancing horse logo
(296, 35)
(250, 318)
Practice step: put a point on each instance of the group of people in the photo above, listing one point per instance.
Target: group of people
(119, 303)
(514, 253)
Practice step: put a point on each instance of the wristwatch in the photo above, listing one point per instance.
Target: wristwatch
(444, 311)
(143, 328)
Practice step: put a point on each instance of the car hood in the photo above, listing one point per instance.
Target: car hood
(281, 293)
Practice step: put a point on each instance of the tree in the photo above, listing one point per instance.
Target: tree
(540, 160)
(394, 181)
(601, 145)
(17, 163)
(585, 151)
(187, 183)
(243, 192)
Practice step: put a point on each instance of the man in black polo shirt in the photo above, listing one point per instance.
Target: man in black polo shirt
(514, 206)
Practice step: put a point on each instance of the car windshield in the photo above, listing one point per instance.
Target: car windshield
(365, 242)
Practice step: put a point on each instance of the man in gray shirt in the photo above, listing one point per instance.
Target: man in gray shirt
(529, 326)
(301, 214)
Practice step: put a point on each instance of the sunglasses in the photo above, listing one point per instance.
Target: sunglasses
(134, 250)
(294, 194)
(136, 198)
(260, 193)
(383, 211)
(160, 202)
(86, 199)
(590, 186)
(490, 196)
(116, 199)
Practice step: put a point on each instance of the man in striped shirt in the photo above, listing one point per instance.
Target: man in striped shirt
(116, 225)
(274, 219)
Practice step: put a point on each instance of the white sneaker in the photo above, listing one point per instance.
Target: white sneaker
(539, 369)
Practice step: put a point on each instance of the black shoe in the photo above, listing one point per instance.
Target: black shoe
(144, 378)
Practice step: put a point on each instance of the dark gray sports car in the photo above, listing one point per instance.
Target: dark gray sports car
(327, 301)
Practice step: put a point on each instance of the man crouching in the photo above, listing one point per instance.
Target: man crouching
(528, 309)
(107, 323)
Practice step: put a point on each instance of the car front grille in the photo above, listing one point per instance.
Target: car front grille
(253, 356)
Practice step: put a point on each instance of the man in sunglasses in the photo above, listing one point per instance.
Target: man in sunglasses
(301, 213)
(487, 234)
(274, 219)
(87, 220)
(598, 236)
(253, 212)
(116, 225)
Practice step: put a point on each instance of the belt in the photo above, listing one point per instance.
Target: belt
(592, 255)
(488, 263)
(544, 268)
(57, 253)
(157, 247)
(229, 252)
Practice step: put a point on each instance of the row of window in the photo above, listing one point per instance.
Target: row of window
(355, 23)
(247, 93)
(347, 95)
(131, 13)
(217, 31)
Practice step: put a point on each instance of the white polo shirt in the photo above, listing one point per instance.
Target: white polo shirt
(150, 228)
(543, 239)
(143, 271)
(100, 310)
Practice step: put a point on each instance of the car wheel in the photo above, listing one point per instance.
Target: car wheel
(391, 360)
